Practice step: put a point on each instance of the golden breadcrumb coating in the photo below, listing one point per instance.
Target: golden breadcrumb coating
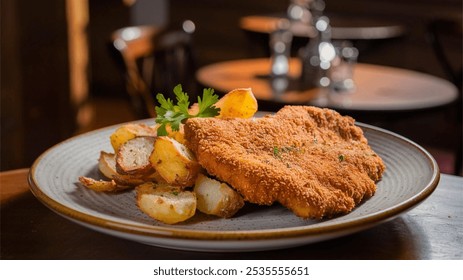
(314, 161)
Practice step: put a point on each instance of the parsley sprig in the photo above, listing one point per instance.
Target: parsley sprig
(173, 115)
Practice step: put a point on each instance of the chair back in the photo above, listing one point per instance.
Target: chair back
(154, 60)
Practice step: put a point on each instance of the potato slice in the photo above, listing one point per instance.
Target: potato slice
(174, 162)
(216, 198)
(178, 135)
(133, 156)
(238, 103)
(167, 204)
(130, 131)
(107, 166)
(101, 185)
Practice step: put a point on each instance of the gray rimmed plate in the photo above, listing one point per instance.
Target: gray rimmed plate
(411, 176)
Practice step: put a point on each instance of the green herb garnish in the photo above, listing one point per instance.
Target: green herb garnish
(341, 158)
(276, 152)
(174, 115)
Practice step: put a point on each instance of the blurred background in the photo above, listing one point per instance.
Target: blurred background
(60, 76)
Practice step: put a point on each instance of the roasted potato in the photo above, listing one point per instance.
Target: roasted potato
(160, 168)
(174, 162)
(216, 198)
(101, 185)
(107, 166)
(167, 204)
(178, 135)
(133, 156)
(130, 131)
(238, 103)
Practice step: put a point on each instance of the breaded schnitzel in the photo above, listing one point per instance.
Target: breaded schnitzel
(314, 161)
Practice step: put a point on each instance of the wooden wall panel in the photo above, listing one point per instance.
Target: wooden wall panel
(38, 113)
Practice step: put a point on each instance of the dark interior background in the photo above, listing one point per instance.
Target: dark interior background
(36, 112)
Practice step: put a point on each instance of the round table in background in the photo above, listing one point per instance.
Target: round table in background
(377, 88)
(342, 27)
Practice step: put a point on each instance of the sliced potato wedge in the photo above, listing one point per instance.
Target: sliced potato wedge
(174, 162)
(238, 103)
(101, 185)
(130, 131)
(107, 166)
(133, 156)
(216, 198)
(167, 204)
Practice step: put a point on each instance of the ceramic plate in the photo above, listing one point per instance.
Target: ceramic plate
(411, 176)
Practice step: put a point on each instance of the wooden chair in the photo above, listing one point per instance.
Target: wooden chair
(154, 60)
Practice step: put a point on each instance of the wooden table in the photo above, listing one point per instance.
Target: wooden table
(29, 230)
(378, 88)
(342, 27)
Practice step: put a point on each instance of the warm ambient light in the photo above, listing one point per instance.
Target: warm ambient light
(130, 34)
(327, 52)
(77, 21)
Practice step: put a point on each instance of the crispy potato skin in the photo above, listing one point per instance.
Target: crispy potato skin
(129, 131)
(238, 103)
(216, 198)
(167, 204)
(107, 166)
(133, 156)
(102, 185)
(174, 162)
